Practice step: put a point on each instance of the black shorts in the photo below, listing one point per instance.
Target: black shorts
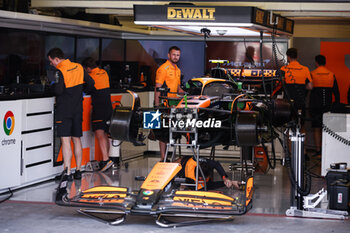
(100, 124)
(70, 127)
(99, 118)
(161, 135)
(316, 115)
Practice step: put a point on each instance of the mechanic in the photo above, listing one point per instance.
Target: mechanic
(297, 78)
(69, 81)
(324, 84)
(169, 74)
(207, 165)
(101, 109)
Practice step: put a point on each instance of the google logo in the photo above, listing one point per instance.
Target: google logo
(9, 123)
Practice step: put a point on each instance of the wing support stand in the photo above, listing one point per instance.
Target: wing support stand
(93, 213)
(162, 221)
(193, 146)
(304, 206)
(316, 213)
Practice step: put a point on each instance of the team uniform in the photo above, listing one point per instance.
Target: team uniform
(171, 75)
(101, 100)
(296, 77)
(189, 171)
(324, 84)
(69, 97)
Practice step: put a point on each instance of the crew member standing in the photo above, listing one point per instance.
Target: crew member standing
(298, 80)
(169, 74)
(324, 84)
(101, 109)
(70, 79)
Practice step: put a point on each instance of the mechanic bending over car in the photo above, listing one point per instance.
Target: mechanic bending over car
(207, 165)
(169, 74)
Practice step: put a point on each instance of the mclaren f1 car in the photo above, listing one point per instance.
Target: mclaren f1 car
(214, 111)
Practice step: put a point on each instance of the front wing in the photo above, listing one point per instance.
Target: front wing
(102, 202)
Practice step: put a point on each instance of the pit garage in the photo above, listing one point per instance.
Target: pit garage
(239, 152)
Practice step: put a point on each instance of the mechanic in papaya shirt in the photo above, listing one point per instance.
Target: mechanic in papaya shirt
(298, 81)
(70, 80)
(101, 108)
(168, 74)
(297, 78)
(324, 85)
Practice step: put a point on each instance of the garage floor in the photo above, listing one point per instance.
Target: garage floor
(32, 209)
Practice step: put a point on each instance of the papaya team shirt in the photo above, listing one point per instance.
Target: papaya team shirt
(322, 77)
(69, 88)
(324, 86)
(101, 98)
(170, 75)
(100, 77)
(296, 76)
(295, 73)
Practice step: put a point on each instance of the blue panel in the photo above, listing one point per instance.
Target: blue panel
(192, 55)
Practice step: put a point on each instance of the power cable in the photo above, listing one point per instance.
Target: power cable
(335, 135)
(261, 63)
(301, 190)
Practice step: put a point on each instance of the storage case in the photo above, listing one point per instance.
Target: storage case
(339, 195)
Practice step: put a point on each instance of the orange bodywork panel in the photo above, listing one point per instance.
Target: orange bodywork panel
(104, 194)
(161, 175)
(202, 199)
(205, 194)
(106, 189)
(249, 190)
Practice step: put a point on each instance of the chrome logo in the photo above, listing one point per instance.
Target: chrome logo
(147, 192)
(9, 123)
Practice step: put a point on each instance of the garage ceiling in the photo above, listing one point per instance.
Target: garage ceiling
(304, 13)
